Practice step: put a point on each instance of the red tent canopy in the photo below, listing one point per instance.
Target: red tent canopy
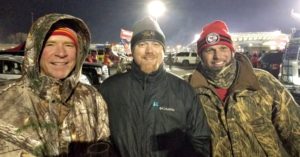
(18, 48)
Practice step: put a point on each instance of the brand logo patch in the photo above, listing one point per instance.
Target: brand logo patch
(167, 109)
(148, 34)
(212, 38)
(155, 104)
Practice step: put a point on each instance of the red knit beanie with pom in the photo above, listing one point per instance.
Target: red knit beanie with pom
(214, 33)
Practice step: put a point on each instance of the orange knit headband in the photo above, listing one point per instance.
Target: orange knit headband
(65, 31)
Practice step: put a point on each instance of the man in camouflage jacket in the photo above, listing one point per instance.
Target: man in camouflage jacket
(249, 111)
(44, 115)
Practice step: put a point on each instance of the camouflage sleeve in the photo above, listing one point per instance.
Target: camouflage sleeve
(10, 134)
(103, 123)
(286, 117)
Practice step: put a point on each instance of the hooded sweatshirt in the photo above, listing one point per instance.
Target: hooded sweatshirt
(41, 116)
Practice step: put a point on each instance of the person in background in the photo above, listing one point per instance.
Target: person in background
(254, 60)
(107, 57)
(249, 111)
(92, 57)
(107, 61)
(170, 60)
(48, 112)
(152, 112)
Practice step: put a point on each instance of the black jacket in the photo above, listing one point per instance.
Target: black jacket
(155, 114)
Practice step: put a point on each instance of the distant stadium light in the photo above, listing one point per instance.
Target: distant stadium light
(196, 37)
(156, 9)
(295, 14)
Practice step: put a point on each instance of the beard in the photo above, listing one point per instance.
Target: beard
(149, 68)
(218, 69)
(149, 63)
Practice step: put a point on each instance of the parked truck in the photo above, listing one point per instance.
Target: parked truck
(290, 68)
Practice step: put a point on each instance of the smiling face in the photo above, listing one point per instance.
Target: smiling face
(58, 57)
(216, 57)
(148, 55)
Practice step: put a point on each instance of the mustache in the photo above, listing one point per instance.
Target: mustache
(149, 56)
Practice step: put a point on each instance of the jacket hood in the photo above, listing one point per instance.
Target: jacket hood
(37, 36)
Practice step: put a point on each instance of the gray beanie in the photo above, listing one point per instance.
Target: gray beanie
(147, 29)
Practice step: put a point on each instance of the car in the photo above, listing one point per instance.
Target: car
(96, 73)
(10, 68)
(186, 58)
(271, 62)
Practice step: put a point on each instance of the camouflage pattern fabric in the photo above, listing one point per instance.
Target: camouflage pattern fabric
(259, 117)
(219, 78)
(40, 116)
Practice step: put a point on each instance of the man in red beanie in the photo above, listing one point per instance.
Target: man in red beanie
(249, 111)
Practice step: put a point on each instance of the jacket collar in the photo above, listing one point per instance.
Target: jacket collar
(246, 78)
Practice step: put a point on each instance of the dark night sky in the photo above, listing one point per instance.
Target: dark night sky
(180, 22)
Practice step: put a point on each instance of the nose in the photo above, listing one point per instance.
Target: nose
(217, 54)
(149, 48)
(61, 51)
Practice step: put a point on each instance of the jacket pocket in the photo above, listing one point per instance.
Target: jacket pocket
(266, 136)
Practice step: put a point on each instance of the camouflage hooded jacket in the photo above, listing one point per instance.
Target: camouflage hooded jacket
(258, 118)
(41, 116)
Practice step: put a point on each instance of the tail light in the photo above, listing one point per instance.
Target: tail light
(275, 66)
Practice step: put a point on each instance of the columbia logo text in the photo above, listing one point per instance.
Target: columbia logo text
(166, 109)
